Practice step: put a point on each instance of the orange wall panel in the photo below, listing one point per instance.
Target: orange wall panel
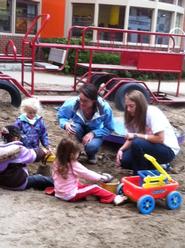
(55, 26)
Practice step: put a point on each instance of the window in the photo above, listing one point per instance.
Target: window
(178, 20)
(5, 16)
(180, 3)
(164, 21)
(167, 1)
(163, 25)
(83, 15)
(111, 16)
(25, 13)
(139, 19)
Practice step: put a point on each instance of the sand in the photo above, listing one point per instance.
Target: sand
(32, 219)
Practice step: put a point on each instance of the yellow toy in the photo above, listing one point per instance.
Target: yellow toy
(154, 178)
(49, 158)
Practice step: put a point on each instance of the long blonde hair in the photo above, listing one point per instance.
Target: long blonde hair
(138, 121)
(66, 151)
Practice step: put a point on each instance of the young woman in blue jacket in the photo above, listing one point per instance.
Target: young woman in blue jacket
(89, 118)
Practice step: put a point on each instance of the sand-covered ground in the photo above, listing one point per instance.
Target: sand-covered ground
(32, 219)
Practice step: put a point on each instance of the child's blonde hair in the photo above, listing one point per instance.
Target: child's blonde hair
(32, 103)
(66, 151)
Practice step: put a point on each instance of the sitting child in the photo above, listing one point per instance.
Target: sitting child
(67, 171)
(31, 124)
(13, 168)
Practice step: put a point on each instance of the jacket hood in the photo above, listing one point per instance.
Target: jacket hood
(24, 118)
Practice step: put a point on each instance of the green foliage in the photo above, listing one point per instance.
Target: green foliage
(106, 58)
(83, 56)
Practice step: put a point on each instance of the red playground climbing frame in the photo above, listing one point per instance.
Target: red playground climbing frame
(150, 52)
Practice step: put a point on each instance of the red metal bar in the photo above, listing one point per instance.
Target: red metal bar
(11, 45)
(145, 50)
(75, 70)
(26, 41)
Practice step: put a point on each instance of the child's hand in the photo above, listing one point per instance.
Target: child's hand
(47, 150)
(106, 178)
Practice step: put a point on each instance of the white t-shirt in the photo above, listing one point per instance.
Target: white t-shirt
(156, 122)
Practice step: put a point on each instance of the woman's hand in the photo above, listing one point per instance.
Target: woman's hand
(69, 127)
(119, 156)
(120, 152)
(130, 136)
(87, 138)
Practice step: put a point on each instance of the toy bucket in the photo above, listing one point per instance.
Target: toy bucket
(49, 158)
(112, 186)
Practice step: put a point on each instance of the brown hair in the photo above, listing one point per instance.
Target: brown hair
(138, 121)
(66, 151)
(9, 133)
(90, 91)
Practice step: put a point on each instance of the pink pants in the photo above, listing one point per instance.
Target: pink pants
(85, 190)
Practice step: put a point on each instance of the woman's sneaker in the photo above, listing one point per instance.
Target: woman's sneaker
(120, 199)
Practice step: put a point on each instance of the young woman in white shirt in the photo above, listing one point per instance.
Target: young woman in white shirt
(149, 131)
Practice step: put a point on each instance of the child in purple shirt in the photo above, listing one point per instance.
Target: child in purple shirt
(13, 171)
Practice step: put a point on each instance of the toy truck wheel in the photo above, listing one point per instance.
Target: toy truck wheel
(119, 190)
(173, 200)
(146, 204)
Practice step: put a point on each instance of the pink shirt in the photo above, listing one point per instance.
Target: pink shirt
(66, 189)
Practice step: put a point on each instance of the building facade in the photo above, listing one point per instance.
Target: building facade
(145, 15)
(16, 15)
(15, 18)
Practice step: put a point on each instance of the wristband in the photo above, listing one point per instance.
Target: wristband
(146, 136)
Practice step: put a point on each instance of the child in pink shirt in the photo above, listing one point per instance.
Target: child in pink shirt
(67, 171)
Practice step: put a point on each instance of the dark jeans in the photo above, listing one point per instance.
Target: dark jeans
(93, 146)
(39, 182)
(133, 158)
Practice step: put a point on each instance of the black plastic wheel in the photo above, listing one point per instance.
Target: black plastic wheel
(119, 190)
(13, 92)
(94, 78)
(120, 93)
(99, 79)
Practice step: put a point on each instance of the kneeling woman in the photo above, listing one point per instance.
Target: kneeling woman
(149, 131)
(13, 171)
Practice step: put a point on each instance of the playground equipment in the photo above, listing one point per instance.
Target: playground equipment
(137, 51)
(149, 186)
